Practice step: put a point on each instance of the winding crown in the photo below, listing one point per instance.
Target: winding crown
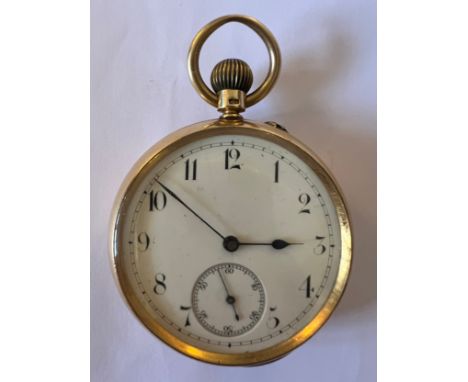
(233, 74)
(231, 79)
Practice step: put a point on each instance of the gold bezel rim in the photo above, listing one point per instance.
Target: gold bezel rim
(220, 127)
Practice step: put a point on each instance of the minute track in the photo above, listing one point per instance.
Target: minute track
(286, 325)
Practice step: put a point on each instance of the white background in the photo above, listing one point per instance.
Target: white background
(326, 96)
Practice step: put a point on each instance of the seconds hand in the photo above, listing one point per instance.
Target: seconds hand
(231, 300)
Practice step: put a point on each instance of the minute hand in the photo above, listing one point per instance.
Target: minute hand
(170, 192)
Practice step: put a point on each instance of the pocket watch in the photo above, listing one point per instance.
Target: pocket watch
(230, 240)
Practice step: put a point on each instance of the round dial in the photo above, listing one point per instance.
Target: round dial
(229, 244)
(239, 295)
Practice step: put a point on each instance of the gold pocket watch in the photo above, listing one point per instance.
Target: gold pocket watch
(230, 240)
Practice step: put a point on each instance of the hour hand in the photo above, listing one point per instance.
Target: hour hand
(231, 243)
(276, 244)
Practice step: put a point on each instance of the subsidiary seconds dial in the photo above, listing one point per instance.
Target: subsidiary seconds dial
(228, 299)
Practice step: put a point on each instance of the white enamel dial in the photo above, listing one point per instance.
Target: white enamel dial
(231, 243)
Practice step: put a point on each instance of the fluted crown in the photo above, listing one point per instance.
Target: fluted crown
(231, 73)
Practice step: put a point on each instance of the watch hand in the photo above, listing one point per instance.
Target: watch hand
(276, 244)
(231, 300)
(230, 243)
(170, 192)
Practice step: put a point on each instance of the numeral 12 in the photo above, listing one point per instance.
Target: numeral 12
(231, 155)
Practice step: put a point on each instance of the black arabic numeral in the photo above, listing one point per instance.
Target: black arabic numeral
(304, 199)
(320, 248)
(190, 175)
(160, 287)
(143, 241)
(157, 200)
(202, 285)
(231, 154)
(256, 286)
(276, 171)
(305, 286)
(229, 269)
(273, 321)
(187, 320)
(202, 315)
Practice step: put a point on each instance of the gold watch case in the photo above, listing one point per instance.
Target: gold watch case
(185, 136)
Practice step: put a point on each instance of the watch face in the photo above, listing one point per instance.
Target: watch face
(230, 243)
